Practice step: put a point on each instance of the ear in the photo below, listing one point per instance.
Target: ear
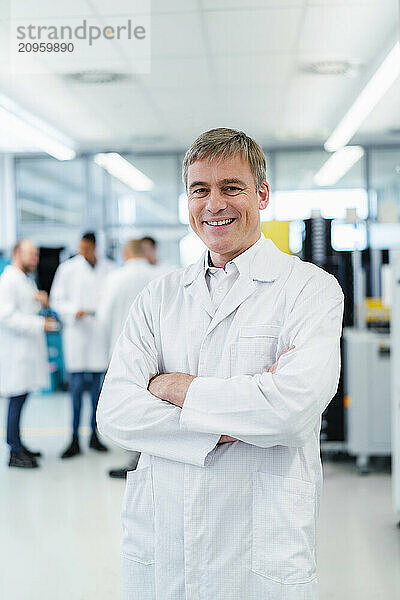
(263, 195)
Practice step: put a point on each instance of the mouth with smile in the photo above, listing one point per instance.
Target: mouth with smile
(219, 222)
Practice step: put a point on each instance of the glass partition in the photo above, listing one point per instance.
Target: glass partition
(56, 200)
(384, 180)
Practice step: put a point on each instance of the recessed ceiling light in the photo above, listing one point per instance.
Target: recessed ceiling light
(96, 77)
(330, 67)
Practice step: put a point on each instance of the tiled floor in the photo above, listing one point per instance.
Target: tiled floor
(60, 524)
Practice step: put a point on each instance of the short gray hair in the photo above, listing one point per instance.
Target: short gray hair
(223, 143)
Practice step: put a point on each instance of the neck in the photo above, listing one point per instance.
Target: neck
(134, 256)
(220, 260)
(21, 267)
(92, 262)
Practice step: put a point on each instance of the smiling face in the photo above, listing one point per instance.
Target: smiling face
(224, 206)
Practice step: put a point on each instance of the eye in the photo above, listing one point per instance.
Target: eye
(199, 192)
(232, 190)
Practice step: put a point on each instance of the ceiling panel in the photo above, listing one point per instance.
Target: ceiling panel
(306, 108)
(363, 29)
(253, 32)
(386, 115)
(260, 71)
(56, 103)
(341, 3)
(176, 35)
(174, 6)
(216, 62)
(250, 4)
(123, 111)
(48, 9)
(252, 112)
(175, 74)
(128, 8)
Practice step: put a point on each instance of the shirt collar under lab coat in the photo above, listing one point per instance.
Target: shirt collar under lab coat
(242, 262)
(263, 263)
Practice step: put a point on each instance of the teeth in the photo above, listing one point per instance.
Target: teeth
(217, 223)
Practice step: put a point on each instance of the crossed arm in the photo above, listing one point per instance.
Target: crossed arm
(173, 387)
(180, 417)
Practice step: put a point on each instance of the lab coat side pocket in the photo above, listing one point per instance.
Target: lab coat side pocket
(284, 529)
(138, 517)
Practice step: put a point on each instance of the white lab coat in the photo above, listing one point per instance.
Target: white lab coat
(119, 291)
(77, 286)
(237, 520)
(23, 350)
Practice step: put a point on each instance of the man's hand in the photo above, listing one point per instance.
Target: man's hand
(171, 387)
(80, 314)
(226, 438)
(43, 298)
(275, 365)
(50, 324)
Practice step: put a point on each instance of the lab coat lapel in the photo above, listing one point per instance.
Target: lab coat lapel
(240, 291)
(195, 282)
(267, 265)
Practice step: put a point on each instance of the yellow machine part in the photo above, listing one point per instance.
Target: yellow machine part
(278, 232)
(376, 310)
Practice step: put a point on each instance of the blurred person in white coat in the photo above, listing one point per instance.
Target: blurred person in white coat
(119, 291)
(121, 288)
(220, 378)
(149, 248)
(75, 295)
(23, 350)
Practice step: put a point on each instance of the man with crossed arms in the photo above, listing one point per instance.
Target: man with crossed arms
(220, 378)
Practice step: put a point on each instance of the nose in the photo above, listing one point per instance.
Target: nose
(216, 201)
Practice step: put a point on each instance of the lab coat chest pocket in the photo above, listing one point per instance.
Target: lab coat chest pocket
(138, 517)
(284, 528)
(255, 351)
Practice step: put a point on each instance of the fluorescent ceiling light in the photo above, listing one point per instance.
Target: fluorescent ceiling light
(375, 89)
(123, 170)
(32, 132)
(338, 164)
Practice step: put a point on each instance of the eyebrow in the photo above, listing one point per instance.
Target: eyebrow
(221, 182)
(231, 180)
(192, 185)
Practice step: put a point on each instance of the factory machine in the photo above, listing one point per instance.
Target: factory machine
(358, 419)
(368, 365)
(317, 248)
(367, 400)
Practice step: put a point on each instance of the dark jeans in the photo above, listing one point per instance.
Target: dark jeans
(78, 383)
(15, 404)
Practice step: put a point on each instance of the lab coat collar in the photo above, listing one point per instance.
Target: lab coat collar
(21, 275)
(85, 263)
(136, 261)
(266, 265)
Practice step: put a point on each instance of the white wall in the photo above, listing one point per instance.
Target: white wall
(8, 220)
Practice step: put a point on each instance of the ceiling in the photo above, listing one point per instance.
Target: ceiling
(213, 63)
